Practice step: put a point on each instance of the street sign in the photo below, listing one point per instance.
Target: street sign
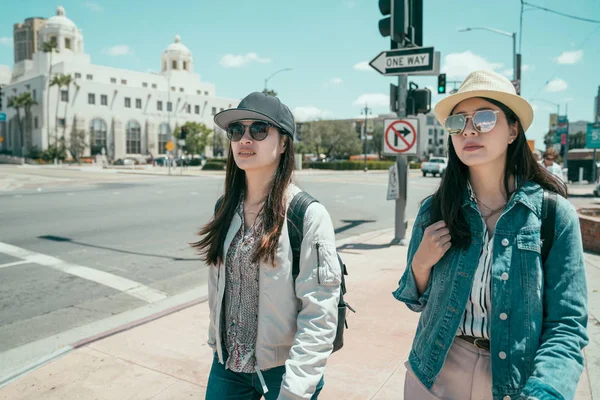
(416, 61)
(562, 128)
(1, 139)
(593, 136)
(181, 142)
(2, 117)
(563, 138)
(169, 146)
(400, 136)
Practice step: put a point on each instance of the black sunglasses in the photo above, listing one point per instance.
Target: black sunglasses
(483, 122)
(259, 130)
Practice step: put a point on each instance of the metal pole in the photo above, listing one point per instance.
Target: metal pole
(169, 120)
(514, 38)
(566, 158)
(365, 135)
(401, 160)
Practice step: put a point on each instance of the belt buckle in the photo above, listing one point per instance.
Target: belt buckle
(476, 344)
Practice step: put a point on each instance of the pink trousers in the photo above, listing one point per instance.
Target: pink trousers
(466, 375)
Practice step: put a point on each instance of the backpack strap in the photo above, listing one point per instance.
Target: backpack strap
(295, 220)
(548, 219)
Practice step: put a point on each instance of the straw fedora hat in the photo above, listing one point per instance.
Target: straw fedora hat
(491, 85)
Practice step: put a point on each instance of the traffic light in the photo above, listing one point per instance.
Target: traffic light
(358, 128)
(184, 132)
(441, 83)
(396, 19)
(418, 101)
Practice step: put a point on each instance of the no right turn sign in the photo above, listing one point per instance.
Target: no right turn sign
(400, 136)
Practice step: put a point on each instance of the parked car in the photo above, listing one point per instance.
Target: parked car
(435, 166)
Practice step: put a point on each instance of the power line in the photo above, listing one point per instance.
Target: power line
(561, 13)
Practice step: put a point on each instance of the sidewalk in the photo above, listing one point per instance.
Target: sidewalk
(168, 358)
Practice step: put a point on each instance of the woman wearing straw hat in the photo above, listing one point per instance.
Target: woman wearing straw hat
(497, 322)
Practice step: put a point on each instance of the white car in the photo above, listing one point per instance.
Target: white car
(435, 166)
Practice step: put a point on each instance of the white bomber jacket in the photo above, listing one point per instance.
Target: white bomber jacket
(295, 327)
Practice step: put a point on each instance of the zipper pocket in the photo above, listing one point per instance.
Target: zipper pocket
(318, 264)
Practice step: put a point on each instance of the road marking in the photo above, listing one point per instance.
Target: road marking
(12, 264)
(115, 192)
(121, 284)
(70, 194)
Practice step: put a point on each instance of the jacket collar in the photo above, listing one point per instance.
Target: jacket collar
(529, 194)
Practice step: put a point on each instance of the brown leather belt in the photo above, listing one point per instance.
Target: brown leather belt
(478, 342)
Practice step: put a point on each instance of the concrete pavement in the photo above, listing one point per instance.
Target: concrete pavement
(168, 358)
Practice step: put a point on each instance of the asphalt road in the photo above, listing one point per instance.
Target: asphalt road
(72, 255)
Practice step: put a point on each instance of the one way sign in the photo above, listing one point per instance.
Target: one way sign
(421, 61)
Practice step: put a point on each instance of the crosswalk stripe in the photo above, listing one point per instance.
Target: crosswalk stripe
(121, 284)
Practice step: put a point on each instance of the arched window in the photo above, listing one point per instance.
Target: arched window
(164, 131)
(174, 64)
(134, 138)
(97, 136)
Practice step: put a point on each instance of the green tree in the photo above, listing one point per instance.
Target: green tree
(24, 101)
(198, 137)
(77, 143)
(549, 139)
(14, 102)
(377, 141)
(335, 139)
(269, 92)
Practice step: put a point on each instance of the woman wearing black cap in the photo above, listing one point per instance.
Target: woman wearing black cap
(271, 333)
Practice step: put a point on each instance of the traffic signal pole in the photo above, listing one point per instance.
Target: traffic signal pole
(402, 162)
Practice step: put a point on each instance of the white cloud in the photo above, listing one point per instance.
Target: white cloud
(556, 85)
(94, 7)
(363, 66)
(459, 65)
(570, 57)
(119, 50)
(6, 41)
(233, 61)
(373, 100)
(334, 82)
(310, 113)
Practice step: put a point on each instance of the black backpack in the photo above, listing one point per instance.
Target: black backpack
(295, 220)
(548, 218)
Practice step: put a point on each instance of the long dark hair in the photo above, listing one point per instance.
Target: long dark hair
(447, 203)
(210, 247)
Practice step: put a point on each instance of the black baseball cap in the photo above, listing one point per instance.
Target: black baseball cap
(259, 106)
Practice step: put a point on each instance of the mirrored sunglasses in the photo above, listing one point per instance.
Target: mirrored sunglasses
(483, 122)
(259, 130)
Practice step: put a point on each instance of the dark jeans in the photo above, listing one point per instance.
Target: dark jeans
(224, 384)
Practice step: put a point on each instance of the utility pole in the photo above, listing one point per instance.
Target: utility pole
(366, 111)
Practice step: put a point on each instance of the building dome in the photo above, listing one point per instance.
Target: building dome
(177, 57)
(60, 20)
(177, 46)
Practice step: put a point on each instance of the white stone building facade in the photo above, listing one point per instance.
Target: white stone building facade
(128, 113)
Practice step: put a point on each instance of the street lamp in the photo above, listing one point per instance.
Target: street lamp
(498, 31)
(366, 111)
(550, 102)
(275, 73)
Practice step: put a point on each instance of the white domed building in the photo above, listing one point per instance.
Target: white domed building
(126, 114)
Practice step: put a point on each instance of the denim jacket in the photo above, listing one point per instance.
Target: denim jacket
(536, 353)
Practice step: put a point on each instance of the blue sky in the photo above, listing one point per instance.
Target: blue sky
(237, 44)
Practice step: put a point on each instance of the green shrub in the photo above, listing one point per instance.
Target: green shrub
(213, 166)
(414, 165)
(195, 162)
(218, 160)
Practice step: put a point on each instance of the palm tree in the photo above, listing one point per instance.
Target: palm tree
(67, 81)
(28, 101)
(49, 47)
(16, 103)
(58, 82)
